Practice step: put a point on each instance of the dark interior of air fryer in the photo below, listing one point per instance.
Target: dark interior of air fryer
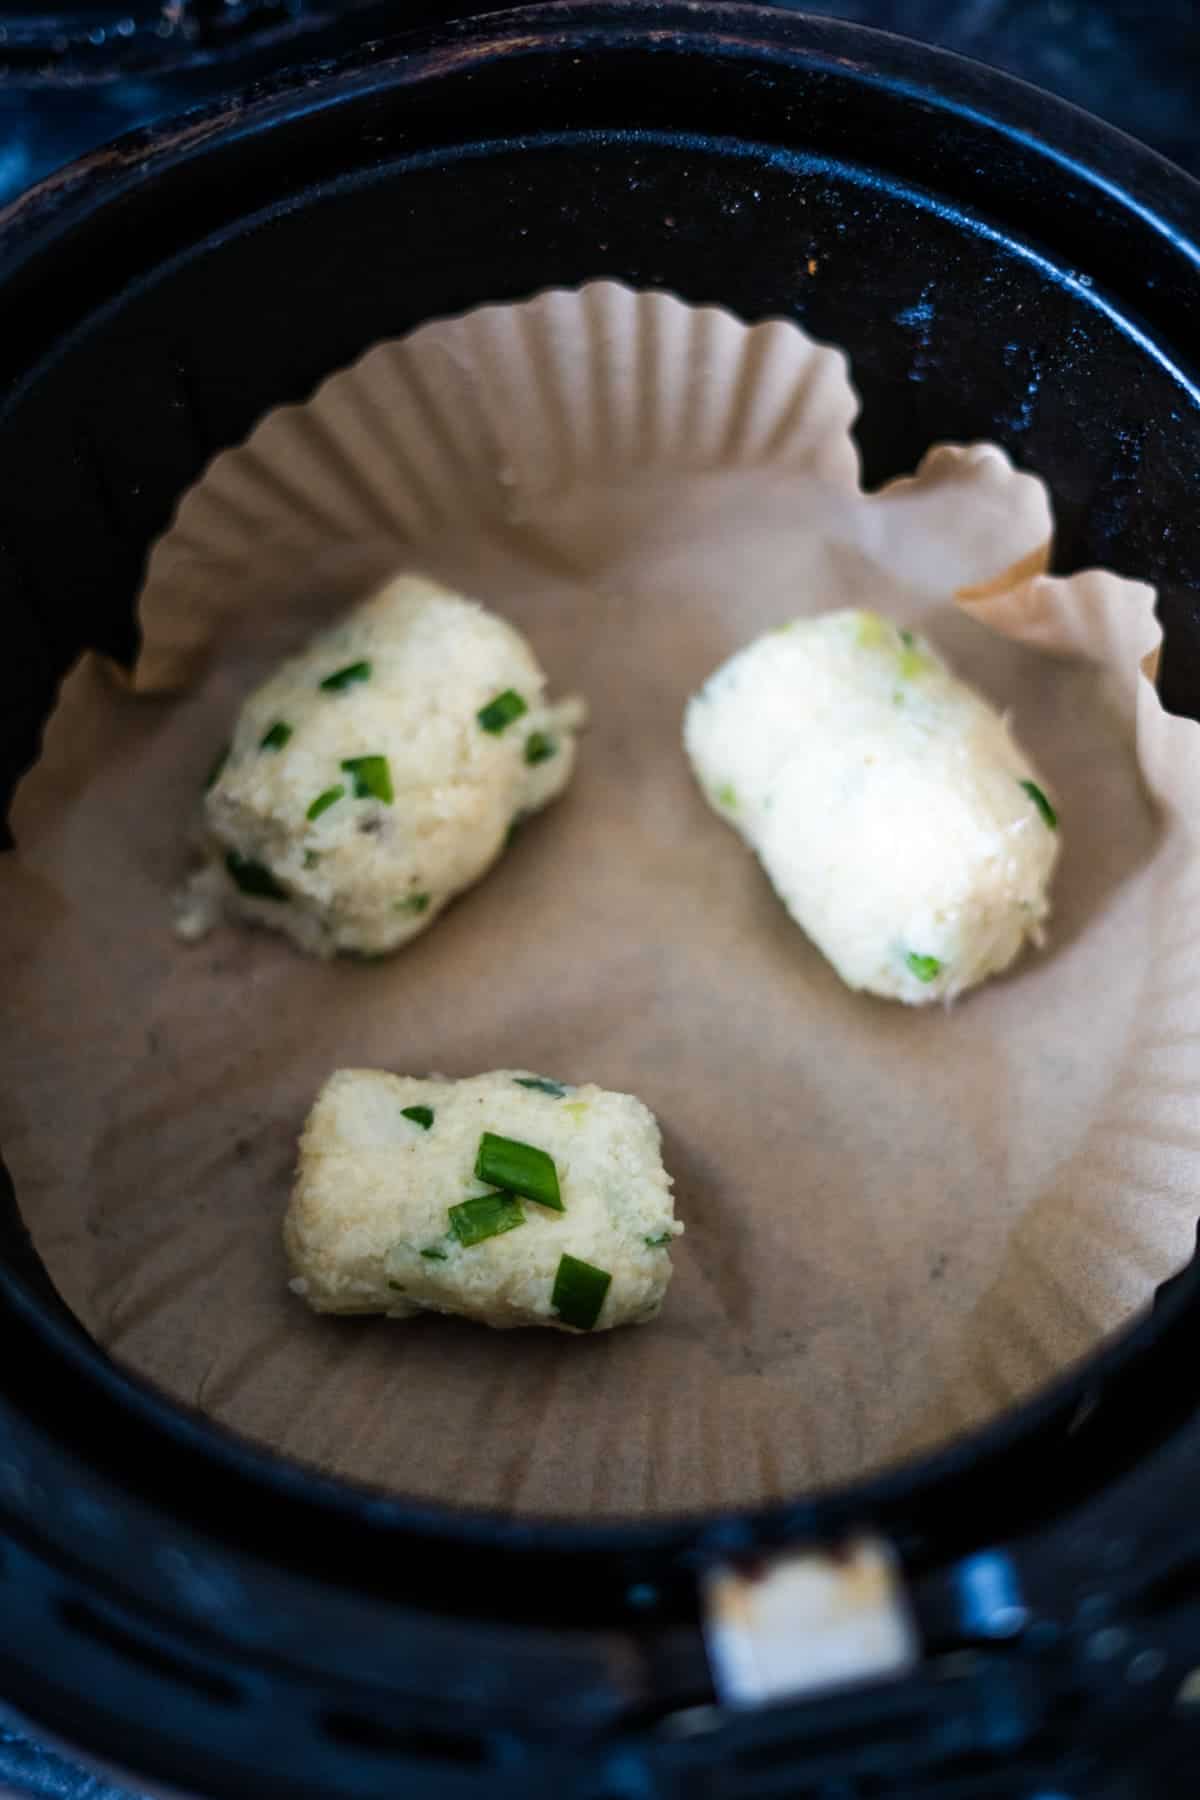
(238, 1612)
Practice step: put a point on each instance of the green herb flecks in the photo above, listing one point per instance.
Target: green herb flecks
(1042, 803)
(726, 796)
(925, 968)
(871, 631)
(913, 660)
(324, 801)
(412, 903)
(372, 778)
(433, 1253)
(500, 713)
(254, 878)
(541, 1085)
(660, 1238)
(486, 1216)
(214, 774)
(579, 1290)
(519, 1169)
(420, 1115)
(344, 678)
(311, 858)
(539, 748)
(276, 737)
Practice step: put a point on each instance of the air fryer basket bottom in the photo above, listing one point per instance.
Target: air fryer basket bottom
(164, 312)
(899, 1221)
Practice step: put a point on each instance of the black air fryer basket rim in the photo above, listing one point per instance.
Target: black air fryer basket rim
(1083, 1427)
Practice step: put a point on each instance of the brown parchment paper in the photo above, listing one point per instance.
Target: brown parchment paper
(898, 1220)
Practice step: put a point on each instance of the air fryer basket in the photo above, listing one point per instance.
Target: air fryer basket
(172, 1598)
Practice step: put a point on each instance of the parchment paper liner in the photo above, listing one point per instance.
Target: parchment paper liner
(899, 1221)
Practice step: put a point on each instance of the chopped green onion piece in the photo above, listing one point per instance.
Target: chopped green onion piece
(254, 878)
(214, 774)
(277, 737)
(913, 660)
(311, 858)
(398, 1286)
(539, 748)
(324, 801)
(486, 1216)
(433, 1254)
(925, 968)
(519, 1169)
(1043, 805)
(657, 1242)
(579, 1290)
(540, 1085)
(412, 903)
(871, 631)
(726, 795)
(420, 1115)
(344, 678)
(499, 713)
(372, 778)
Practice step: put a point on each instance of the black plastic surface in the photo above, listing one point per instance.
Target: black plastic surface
(997, 266)
(72, 79)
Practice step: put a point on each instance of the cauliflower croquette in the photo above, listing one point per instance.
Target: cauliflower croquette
(507, 1198)
(902, 827)
(378, 773)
